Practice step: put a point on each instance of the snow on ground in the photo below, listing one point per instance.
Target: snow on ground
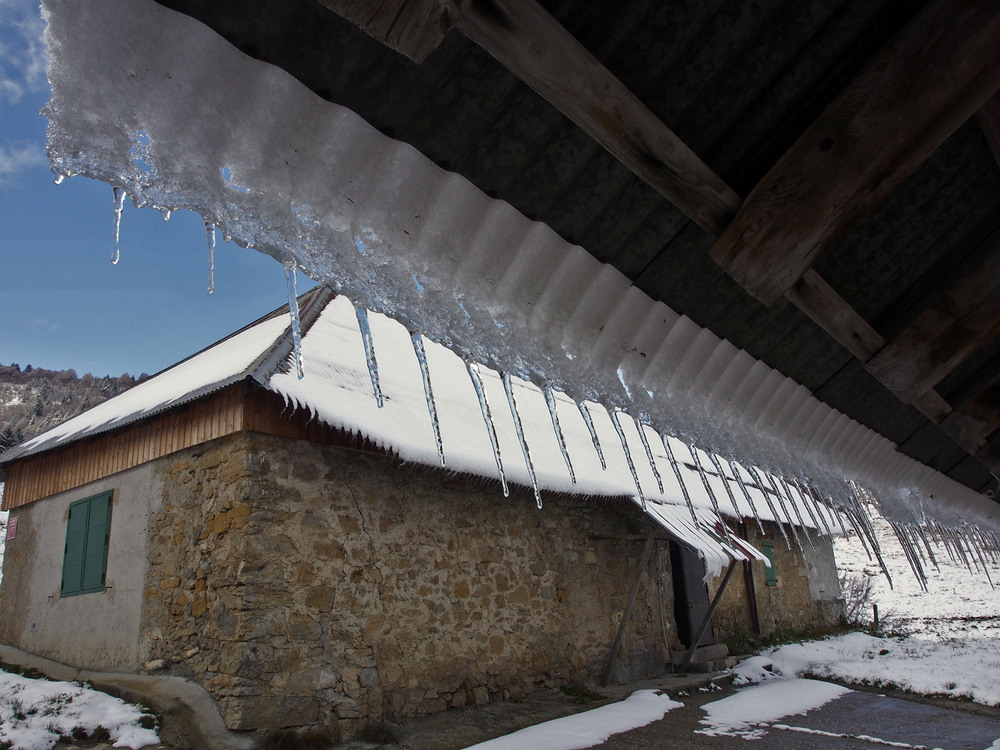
(35, 713)
(589, 728)
(742, 713)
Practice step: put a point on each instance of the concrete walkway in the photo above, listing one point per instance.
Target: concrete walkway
(188, 713)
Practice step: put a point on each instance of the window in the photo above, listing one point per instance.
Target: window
(86, 554)
(770, 576)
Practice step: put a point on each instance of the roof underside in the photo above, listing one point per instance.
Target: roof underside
(738, 83)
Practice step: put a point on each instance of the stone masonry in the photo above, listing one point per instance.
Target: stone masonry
(312, 585)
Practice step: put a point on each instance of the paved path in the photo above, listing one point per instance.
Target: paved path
(856, 721)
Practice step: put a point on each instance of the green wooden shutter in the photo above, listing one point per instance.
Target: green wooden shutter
(770, 576)
(87, 534)
(76, 545)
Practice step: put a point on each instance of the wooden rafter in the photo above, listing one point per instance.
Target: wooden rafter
(989, 121)
(538, 50)
(959, 322)
(935, 75)
(411, 27)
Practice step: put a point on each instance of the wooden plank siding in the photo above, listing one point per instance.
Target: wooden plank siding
(239, 407)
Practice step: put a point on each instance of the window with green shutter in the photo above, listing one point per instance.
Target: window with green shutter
(770, 576)
(86, 555)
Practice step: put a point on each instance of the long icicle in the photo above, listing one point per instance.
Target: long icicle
(784, 509)
(484, 407)
(293, 314)
(550, 401)
(927, 546)
(755, 473)
(628, 456)
(708, 488)
(680, 480)
(830, 507)
(798, 513)
(425, 374)
(717, 463)
(814, 510)
(858, 532)
(866, 524)
(908, 553)
(119, 205)
(210, 241)
(585, 413)
(519, 429)
(649, 454)
(369, 342)
(746, 493)
(752, 471)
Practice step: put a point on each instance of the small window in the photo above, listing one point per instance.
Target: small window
(770, 576)
(86, 555)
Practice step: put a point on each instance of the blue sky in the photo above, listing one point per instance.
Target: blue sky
(62, 303)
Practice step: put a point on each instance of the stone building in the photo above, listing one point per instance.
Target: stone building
(339, 547)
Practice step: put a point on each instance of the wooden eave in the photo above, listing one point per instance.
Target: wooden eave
(913, 86)
(241, 407)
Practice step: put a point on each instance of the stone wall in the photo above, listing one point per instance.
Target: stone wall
(305, 584)
(806, 597)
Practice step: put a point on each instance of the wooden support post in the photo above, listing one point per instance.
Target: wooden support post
(627, 614)
(708, 617)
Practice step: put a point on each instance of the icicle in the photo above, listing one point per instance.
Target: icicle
(912, 537)
(425, 374)
(58, 179)
(628, 456)
(293, 312)
(812, 508)
(942, 539)
(166, 213)
(717, 463)
(798, 513)
(484, 406)
(857, 531)
(746, 493)
(585, 413)
(927, 546)
(550, 401)
(828, 506)
(680, 479)
(210, 237)
(519, 429)
(369, 342)
(708, 488)
(119, 205)
(649, 454)
(869, 530)
(784, 509)
(770, 506)
(909, 554)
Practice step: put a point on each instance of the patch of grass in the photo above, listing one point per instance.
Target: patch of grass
(581, 694)
(100, 735)
(381, 734)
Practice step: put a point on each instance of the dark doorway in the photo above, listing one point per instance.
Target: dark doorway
(690, 594)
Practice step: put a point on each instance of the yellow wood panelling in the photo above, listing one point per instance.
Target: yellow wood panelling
(88, 460)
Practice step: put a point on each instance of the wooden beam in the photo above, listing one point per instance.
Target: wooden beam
(538, 50)
(411, 27)
(971, 425)
(817, 299)
(942, 68)
(954, 326)
(989, 122)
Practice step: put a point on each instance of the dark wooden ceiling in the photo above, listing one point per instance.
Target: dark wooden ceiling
(838, 158)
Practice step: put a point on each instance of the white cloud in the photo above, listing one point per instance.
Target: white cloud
(15, 158)
(23, 56)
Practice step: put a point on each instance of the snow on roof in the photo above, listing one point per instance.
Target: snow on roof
(616, 460)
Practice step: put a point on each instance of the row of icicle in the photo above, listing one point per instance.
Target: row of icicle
(969, 546)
